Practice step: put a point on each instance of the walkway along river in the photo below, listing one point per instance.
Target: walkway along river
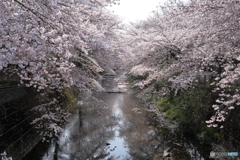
(127, 130)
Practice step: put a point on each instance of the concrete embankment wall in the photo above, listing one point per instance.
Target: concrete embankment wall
(17, 133)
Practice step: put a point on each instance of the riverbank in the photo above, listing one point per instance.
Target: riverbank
(186, 114)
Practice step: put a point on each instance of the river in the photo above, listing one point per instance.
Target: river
(125, 130)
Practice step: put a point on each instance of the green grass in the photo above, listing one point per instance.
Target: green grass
(164, 104)
(190, 109)
(132, 78)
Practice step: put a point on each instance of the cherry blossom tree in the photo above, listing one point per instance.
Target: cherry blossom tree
(57, 44)
(182, 41)
(42, 39)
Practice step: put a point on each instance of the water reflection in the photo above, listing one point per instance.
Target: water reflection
(120, 134)
(125, 131)
(84, 137)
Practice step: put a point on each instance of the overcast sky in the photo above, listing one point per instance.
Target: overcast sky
(132, 10)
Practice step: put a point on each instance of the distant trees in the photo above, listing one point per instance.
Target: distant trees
(184, 40)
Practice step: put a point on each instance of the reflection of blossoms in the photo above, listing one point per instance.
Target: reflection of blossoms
(136, 110)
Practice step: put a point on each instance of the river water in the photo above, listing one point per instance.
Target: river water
(126, 130)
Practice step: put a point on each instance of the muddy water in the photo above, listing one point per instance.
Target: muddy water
(127, 130)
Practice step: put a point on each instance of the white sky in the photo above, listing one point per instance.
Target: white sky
(133, 10)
